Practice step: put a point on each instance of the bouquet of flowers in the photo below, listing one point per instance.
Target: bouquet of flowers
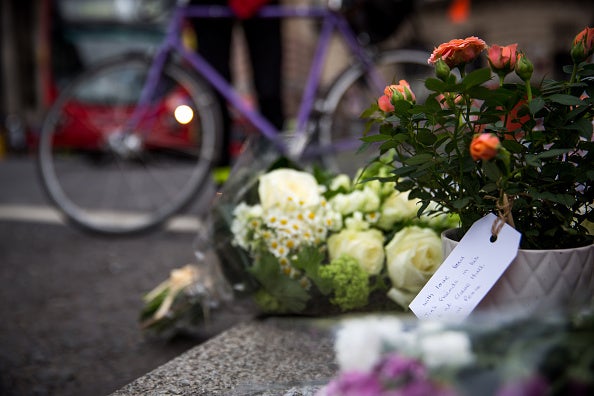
(313, 243)
(316, 240)
(501, 356)
(488, 141)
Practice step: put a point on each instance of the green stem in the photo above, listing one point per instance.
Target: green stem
(573, 73)
(528, 91)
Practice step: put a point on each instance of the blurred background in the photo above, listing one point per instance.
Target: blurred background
(46, 42)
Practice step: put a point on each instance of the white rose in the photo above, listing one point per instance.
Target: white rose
(367, 247)
(397, 207)
(340, 181)
(361, 342)
(284, 187)
(412, 257)
(441, 220)
(374, 185)
(446, 348)
(365, 200)
(356, 222)
(345, 203)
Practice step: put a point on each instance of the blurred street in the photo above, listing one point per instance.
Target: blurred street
(69, 301)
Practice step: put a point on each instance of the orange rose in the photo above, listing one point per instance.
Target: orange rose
(458, 51)
(484, 146)
(400, 91)
(503, 59)
(384, 104)
(583, 45)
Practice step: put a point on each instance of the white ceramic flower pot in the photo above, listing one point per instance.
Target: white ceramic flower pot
(539, 281)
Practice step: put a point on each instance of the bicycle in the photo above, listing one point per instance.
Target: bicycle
(118, 162)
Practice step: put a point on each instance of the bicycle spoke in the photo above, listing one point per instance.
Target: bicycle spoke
(351, 94)
(112, 179)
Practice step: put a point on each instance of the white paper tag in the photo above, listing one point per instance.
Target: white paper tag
(468, 273)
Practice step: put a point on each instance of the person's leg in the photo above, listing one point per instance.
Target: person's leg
(214, 44)
(265, 46)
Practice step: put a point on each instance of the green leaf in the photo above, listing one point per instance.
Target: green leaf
(480, 92)
(568, 100)
(402, 171)
(153, 305)
(309, 260)
(368, 125)
(363, 147)
(491, 170)
(461, 203)
(584, 126)
(477, 77)
(536, 105)
(533, 160)
(553, 153)
(431, 105)
(435, 84)
(369, 111)
(490, 187)
(390, 144)
(512, 146)
(404, 185)
(375, 138)
(287, 291)
(426, 137)
(419, 159)
(402, 106)
(563, 199)
(419, 194)
(386, 129)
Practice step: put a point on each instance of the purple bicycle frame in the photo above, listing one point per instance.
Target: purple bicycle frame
(331, 21)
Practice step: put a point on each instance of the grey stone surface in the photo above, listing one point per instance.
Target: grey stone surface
(275, 356)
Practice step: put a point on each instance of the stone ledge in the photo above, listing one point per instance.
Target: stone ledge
(275, 356)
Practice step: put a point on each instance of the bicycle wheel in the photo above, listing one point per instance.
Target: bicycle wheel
(340, 126)
(108, 177)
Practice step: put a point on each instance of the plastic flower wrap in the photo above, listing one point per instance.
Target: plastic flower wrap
(293, 241)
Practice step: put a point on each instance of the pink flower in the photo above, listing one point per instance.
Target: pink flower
(384, 104)
(458, 51)
(484, 146)
(354, 383)
(400, 91)
(503, 59)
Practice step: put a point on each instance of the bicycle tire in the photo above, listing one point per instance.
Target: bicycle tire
(119, 189)
(351, 93)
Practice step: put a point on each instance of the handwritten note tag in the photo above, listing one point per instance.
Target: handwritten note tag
(468, 273)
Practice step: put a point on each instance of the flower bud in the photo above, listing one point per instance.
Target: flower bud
(502, 59)
(400, 91)
(384, 104)
(524, 67)
(484, 146)
(583, 45)
(442, 70)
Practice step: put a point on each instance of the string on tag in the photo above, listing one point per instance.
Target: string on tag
(504, 215)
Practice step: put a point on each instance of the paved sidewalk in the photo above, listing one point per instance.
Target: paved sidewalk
(276, 356)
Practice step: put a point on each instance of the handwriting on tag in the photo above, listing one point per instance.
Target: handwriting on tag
(468, 273)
